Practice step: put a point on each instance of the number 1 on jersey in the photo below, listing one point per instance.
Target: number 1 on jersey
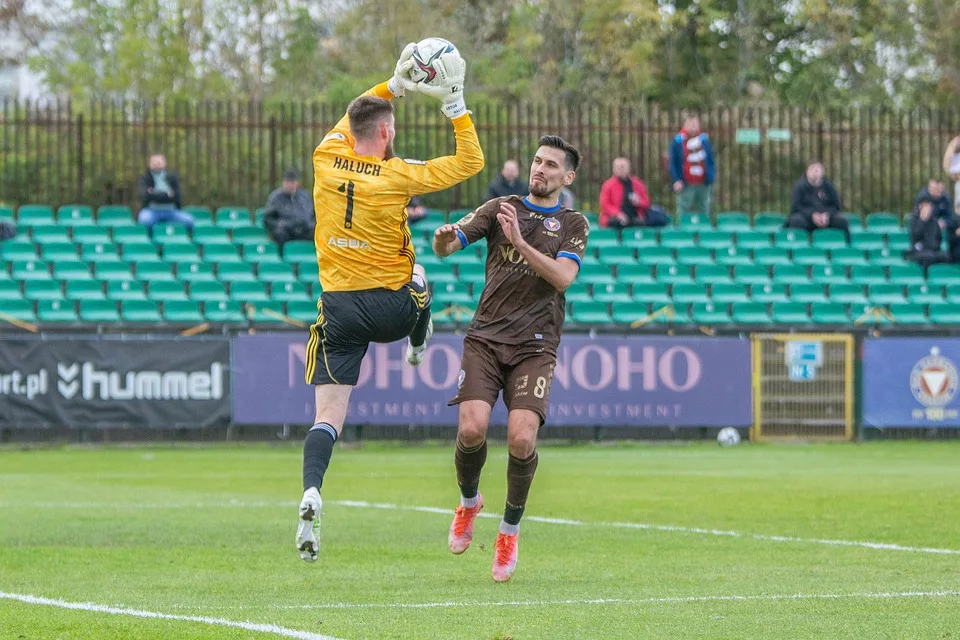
(348, 218)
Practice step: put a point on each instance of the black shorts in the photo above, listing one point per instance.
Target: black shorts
(348, 321)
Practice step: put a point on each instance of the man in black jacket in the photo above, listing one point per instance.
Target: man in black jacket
(289, 211)
(815, 203)
(160, 196)
(925, 235)
(507, 182)
(942, 207)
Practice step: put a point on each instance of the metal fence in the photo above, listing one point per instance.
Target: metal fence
(234, 153)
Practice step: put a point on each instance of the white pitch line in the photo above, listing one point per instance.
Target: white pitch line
(358, 504)
(123, 611)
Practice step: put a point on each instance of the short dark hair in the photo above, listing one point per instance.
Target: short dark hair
(366, 113)
(571, 155)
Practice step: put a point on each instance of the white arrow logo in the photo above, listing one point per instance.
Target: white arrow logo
(68, 385)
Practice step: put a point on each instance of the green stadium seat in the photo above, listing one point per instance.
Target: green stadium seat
(870, 274)
(436, 276)
(233, 217)
(139, 252)
(140, 311)
(617, 255)
(30, 270)
(595, 274)
(276, 272)
(260, 213)
(154, 272)
(578, 292)
(907, 314)
(715, 274)
(208, 291)
(248, 291)
(310, 273)
(182, 312)
(672, 316)
(204, 236)
(197, 272)
(867, 240)
(42, 290)
(44, 233)
(885, 258)
(710, 313)
(84, 290)
(223, 311)
(885, 294)
(791, 274)
(628, 313)
(6, 214)
(694, 221)
(112, 271)
(18, 310)
(945, 314)
(125, 290)
(733, 257)
(290, 292)
(753, 240)
(10, 290)
(89, 235)
(199, 212)
(694, 256)
(790, 313)
(771, 256)
(603, 238)
(650, 294)
(466, 256)
(54, 251)
(56, 311)
(829, 313)
(180, 253)
(98, 252)
(164, 291)
(847, 257)
(265, 313)
(952, 293)
(677, 238)
(448, 294)
(924, 294)
(751, 313)
(851, 294)
(810, 256)
(469, 273)
(733, 221)
(828, 274)
(164, 234)
(943, 274)
(808, 293)
(729, 294)
(751, 274)
(236, 272)
(769, 221)
(792, 239)
(304, 311)
(14, 249)
(829, 239)
(673, 274)
(634, 273)
(683, 294)
(638, 238)
(115, 216)
(655, 256)
(30, 215)
(898, 243)
(218, 253)
(74, 215)
(99, 311)
(591, 313)
(249, 235)
(299, 251)
(769, 293)
(714, 239)
(883, 222)
(126, 235)
(612, 293)
(907, 274)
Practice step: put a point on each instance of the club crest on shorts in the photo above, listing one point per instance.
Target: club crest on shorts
(934, 380)
(552, 224)
(460, 378)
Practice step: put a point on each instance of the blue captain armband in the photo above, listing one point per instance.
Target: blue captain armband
(463, 239)
(571, 256)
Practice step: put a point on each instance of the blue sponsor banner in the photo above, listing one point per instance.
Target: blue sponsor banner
(911, 382)
(600, 381)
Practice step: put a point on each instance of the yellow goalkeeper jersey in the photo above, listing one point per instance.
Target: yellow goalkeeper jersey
(362, 236)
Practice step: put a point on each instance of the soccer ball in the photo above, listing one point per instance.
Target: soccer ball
(728, 437)
(425, 54)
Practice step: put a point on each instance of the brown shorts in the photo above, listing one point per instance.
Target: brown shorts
(524, 376)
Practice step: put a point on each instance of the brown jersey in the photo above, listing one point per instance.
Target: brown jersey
(517, 306)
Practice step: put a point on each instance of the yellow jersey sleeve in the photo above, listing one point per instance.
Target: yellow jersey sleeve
(441, 173)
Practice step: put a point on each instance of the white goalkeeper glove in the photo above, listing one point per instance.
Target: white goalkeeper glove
(400, 83)
(448, 87)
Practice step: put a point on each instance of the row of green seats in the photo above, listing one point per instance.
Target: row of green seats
(740, 221)
(158, 291)
(148, 271)
(259, 252)
(162, 234)
(172, 311)
(30, 215)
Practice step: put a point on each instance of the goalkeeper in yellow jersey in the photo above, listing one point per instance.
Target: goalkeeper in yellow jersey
(373, 289)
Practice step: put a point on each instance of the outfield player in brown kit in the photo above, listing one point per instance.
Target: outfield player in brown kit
(535, 248)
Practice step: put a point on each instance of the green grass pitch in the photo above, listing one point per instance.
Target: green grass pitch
(207, 532)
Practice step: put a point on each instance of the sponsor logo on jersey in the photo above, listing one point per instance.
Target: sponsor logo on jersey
(333, 136)
(412, 161)
(348, 243)
(934, 380)
(552, 224)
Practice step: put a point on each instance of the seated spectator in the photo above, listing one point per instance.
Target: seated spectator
(415, 211)
(815, 203)
(568, 199)
(507, 182)
(289, 212)
(161, 196)
(925, 236)
(951, 227)
(624, 201)
(942, 207)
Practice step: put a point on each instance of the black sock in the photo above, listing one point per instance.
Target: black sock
(512, 514)
(519, 478)
(419, 333)
(317, 449)
(469, 462)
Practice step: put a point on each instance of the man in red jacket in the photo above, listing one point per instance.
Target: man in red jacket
(624, 201)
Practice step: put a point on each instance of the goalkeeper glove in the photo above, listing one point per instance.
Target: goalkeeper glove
(448, 87)
(400, 83)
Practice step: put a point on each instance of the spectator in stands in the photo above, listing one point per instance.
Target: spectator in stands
(925, 235)
(942, 207)
(160, 196)
(415, 211)
(951, 164)
(815, 203)
(624, 201)
(289, 211)
(507, 182)
(692, 167)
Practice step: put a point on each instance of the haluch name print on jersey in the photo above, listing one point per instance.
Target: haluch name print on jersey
(356, 166)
